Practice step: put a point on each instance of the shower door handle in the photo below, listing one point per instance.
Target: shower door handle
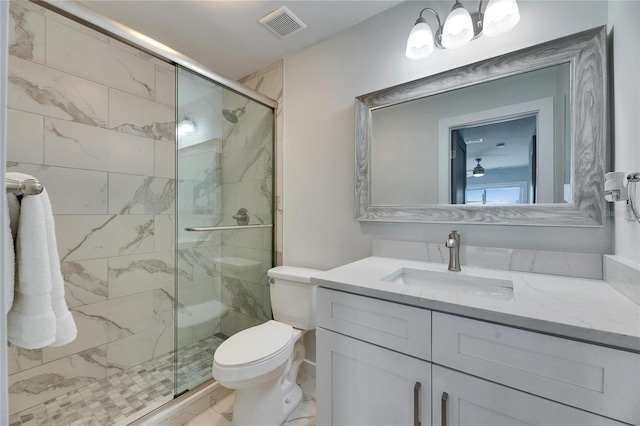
(225, 228)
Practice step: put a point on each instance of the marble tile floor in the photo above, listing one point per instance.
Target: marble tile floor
(304, 415)
(124, 397)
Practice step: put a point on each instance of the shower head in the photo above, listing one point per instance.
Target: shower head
(232, 115)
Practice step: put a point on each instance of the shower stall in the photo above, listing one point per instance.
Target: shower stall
(160, 175)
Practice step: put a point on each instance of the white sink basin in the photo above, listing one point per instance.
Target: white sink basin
(454, 282)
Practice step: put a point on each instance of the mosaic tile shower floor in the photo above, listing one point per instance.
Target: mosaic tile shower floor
(122, 398)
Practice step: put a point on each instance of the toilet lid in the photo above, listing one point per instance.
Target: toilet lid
(254, 344)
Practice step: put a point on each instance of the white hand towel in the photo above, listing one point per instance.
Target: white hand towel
(39, 311)
(66, 331)
(13, 214)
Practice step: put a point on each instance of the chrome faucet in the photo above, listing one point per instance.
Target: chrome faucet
(453, 244)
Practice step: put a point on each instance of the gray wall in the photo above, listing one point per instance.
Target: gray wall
(320, 85)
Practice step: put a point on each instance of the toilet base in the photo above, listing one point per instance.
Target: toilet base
(264, 405)
(271, 402)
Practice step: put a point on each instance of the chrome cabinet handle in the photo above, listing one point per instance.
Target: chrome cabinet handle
(416, 404)
(443, 408)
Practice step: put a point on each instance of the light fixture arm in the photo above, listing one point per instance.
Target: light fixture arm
(437, 39)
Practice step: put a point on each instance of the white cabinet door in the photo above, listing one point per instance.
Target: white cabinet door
(471, 401)
(362, 384)
(601, 380)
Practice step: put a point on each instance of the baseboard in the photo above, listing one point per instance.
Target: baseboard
(308, 368)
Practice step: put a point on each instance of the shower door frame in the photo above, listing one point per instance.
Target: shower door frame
(4, 60)
(217, 228)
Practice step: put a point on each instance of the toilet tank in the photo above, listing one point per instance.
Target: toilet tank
(293, 297)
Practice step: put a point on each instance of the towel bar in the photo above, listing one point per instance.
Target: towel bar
(24, 187)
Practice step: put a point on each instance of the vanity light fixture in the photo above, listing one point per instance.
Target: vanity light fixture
(478, 170)
(461, 27)
(616, 190)
(186, 125)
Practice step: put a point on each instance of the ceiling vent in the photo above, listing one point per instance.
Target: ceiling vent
(282, 22)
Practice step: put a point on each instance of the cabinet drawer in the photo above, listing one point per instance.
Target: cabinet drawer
(402, 328)
(475, 402)
(598, 379)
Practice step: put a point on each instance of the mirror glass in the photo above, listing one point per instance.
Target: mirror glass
(504, 141)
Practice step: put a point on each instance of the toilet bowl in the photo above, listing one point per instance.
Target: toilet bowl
(261, 363)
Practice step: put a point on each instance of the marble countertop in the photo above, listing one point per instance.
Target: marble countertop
(579, 308)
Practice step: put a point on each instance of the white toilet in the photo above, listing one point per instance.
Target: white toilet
(261, 363)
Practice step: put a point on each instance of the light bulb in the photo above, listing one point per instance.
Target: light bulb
(420, 41)
(500, 17)
(458, 28)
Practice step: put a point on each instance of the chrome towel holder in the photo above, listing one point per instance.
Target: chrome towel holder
(23, 187)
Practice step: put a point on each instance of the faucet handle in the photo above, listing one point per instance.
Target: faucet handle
(454, 235)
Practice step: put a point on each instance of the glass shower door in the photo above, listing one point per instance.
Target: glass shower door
(225, 220)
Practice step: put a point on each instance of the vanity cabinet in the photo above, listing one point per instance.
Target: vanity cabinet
(461, 399)
(360, 379)
(368, 385)
(371, 353)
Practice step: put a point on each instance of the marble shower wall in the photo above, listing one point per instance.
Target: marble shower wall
(247, 182)
(270, 82)
(199, 204)
(93, 119)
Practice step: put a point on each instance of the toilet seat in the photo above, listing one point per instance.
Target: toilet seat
(253, 352)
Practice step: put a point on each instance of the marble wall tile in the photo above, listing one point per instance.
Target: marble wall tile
(140, 273)
(163, 304)
(131, 194)
(256, 129)
(245, 297)
(582, 265)
(247, 264)
(105, 322)
(230, 199)
(70, 190)
(165, 159)
(86, 281)
(40, 384)
(79, 146)
(138, 348)
(199, 163)
(188, 239)
(73, 52)
(257, 197)
(229, 323)
(26, 33)
(260, 238)
(246, 164)
(164, 232)
(53, 16)
(166, 86)
(141, 117)
(196, 264)
(623, 275)
(25, 133)
(199, 291)
(23, 359)
(82, 237)
(41, 90)
(139, 53)
(206, 329)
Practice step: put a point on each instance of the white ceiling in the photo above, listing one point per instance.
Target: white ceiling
(226, 35)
